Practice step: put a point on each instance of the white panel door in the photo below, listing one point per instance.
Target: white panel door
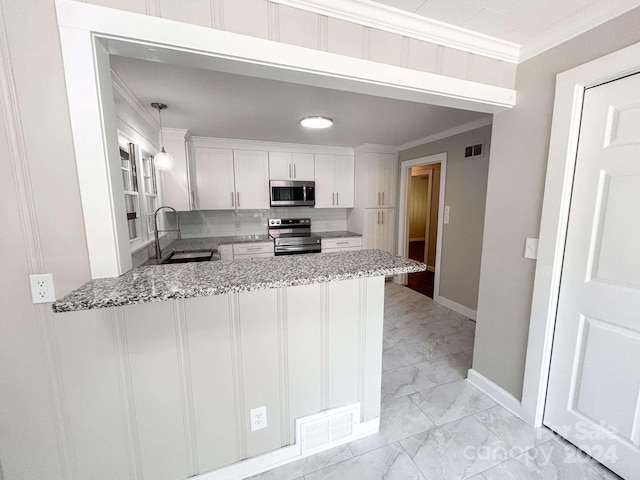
(251, 170)
(214, 179)
(344, 181)
(594, 384)
(325, 174)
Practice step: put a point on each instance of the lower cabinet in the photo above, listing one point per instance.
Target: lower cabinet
(345, 244)
(226, 252)
(378, 229)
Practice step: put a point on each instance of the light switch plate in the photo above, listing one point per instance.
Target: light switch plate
(531, 248)
(447, 211)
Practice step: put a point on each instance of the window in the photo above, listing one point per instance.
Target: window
(141, 192)
(150, 187)
(130, 184)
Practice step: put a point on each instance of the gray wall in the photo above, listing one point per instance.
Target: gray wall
(517, 169)
(465, 193)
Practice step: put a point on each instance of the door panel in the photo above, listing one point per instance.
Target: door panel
(214, 178)
(344, 183)
(251, 170)
(324, 173)
(303, 166)
(594, 383)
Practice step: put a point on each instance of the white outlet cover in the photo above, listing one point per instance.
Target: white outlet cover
(42, 290)
(258, 417)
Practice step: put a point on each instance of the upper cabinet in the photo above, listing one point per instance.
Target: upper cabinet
(291, 166)
(251, 173)
(231, 179)
(176, 191)
(380, 174)
(334, 176)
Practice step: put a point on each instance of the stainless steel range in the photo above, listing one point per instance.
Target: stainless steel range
(292, 236)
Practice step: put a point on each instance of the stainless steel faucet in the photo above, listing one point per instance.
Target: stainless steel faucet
(155, 221)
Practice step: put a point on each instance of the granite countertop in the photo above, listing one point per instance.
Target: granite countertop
(187, 280)
(338, 234)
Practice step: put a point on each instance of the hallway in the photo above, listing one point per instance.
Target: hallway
(421, 282)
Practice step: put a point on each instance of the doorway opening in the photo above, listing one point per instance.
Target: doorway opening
(423, 205)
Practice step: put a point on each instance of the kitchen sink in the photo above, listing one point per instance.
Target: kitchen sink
(193, 256)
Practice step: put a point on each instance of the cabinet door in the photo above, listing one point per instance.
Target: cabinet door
(302, 165)
(373, 194)
(226, 252)
(387, 170)
(280, 167)
(214, 178)
(251, 170)
(325, 173)
(386, 230)
(344, 181)
(371, 228)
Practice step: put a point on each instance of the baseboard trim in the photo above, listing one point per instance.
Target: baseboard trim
(456, 307)
(431, 269)
(496, 392)
(282, 456)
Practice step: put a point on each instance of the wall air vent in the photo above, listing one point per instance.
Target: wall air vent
(327, 429)
(473, 151)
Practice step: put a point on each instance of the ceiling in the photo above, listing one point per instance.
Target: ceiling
(533, 24)
(216, 104)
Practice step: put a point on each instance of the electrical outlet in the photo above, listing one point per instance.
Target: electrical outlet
(238, 225)
(258, 418)
(42, 290)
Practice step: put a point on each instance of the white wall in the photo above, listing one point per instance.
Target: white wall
(519, 149)
(465, 192)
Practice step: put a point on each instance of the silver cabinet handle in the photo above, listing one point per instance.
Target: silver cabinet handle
(294, 171)
(233, 203)
(378, 198)
(382, 198)
(238, 198)
(337, 198)
(333, 198)
(378, 218)
(342, 243)
(382, 215)
(253, 248)
(289, 170)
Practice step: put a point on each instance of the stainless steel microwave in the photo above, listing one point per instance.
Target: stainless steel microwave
(287, 193)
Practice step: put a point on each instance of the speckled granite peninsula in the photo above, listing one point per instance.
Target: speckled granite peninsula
(166, 282)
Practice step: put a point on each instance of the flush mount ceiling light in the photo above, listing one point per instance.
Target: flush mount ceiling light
(316, 122)
(162, 160)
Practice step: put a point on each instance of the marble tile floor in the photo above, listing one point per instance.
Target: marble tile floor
(434, 424)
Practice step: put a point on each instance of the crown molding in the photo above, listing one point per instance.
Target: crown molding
(241, 144)
(132, 100)
(466, 127)
(589, 18)
(408, 24)
(375, 148)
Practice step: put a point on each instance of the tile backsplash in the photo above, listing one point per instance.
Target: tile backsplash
(222, 223)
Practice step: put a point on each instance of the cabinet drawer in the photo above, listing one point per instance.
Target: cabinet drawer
(252, 248)
(349, 242)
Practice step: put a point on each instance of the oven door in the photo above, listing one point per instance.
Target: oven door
(285, 193)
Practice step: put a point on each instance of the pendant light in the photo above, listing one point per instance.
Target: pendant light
(162, 160)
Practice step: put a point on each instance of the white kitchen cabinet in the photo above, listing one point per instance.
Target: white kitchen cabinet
(380, 175)
(334, 176)
(251, 172)
(378, 230)
(231, 179)
(344, 244)
(175, 182)
(291, 166)
(252, 250)
(215, 188)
